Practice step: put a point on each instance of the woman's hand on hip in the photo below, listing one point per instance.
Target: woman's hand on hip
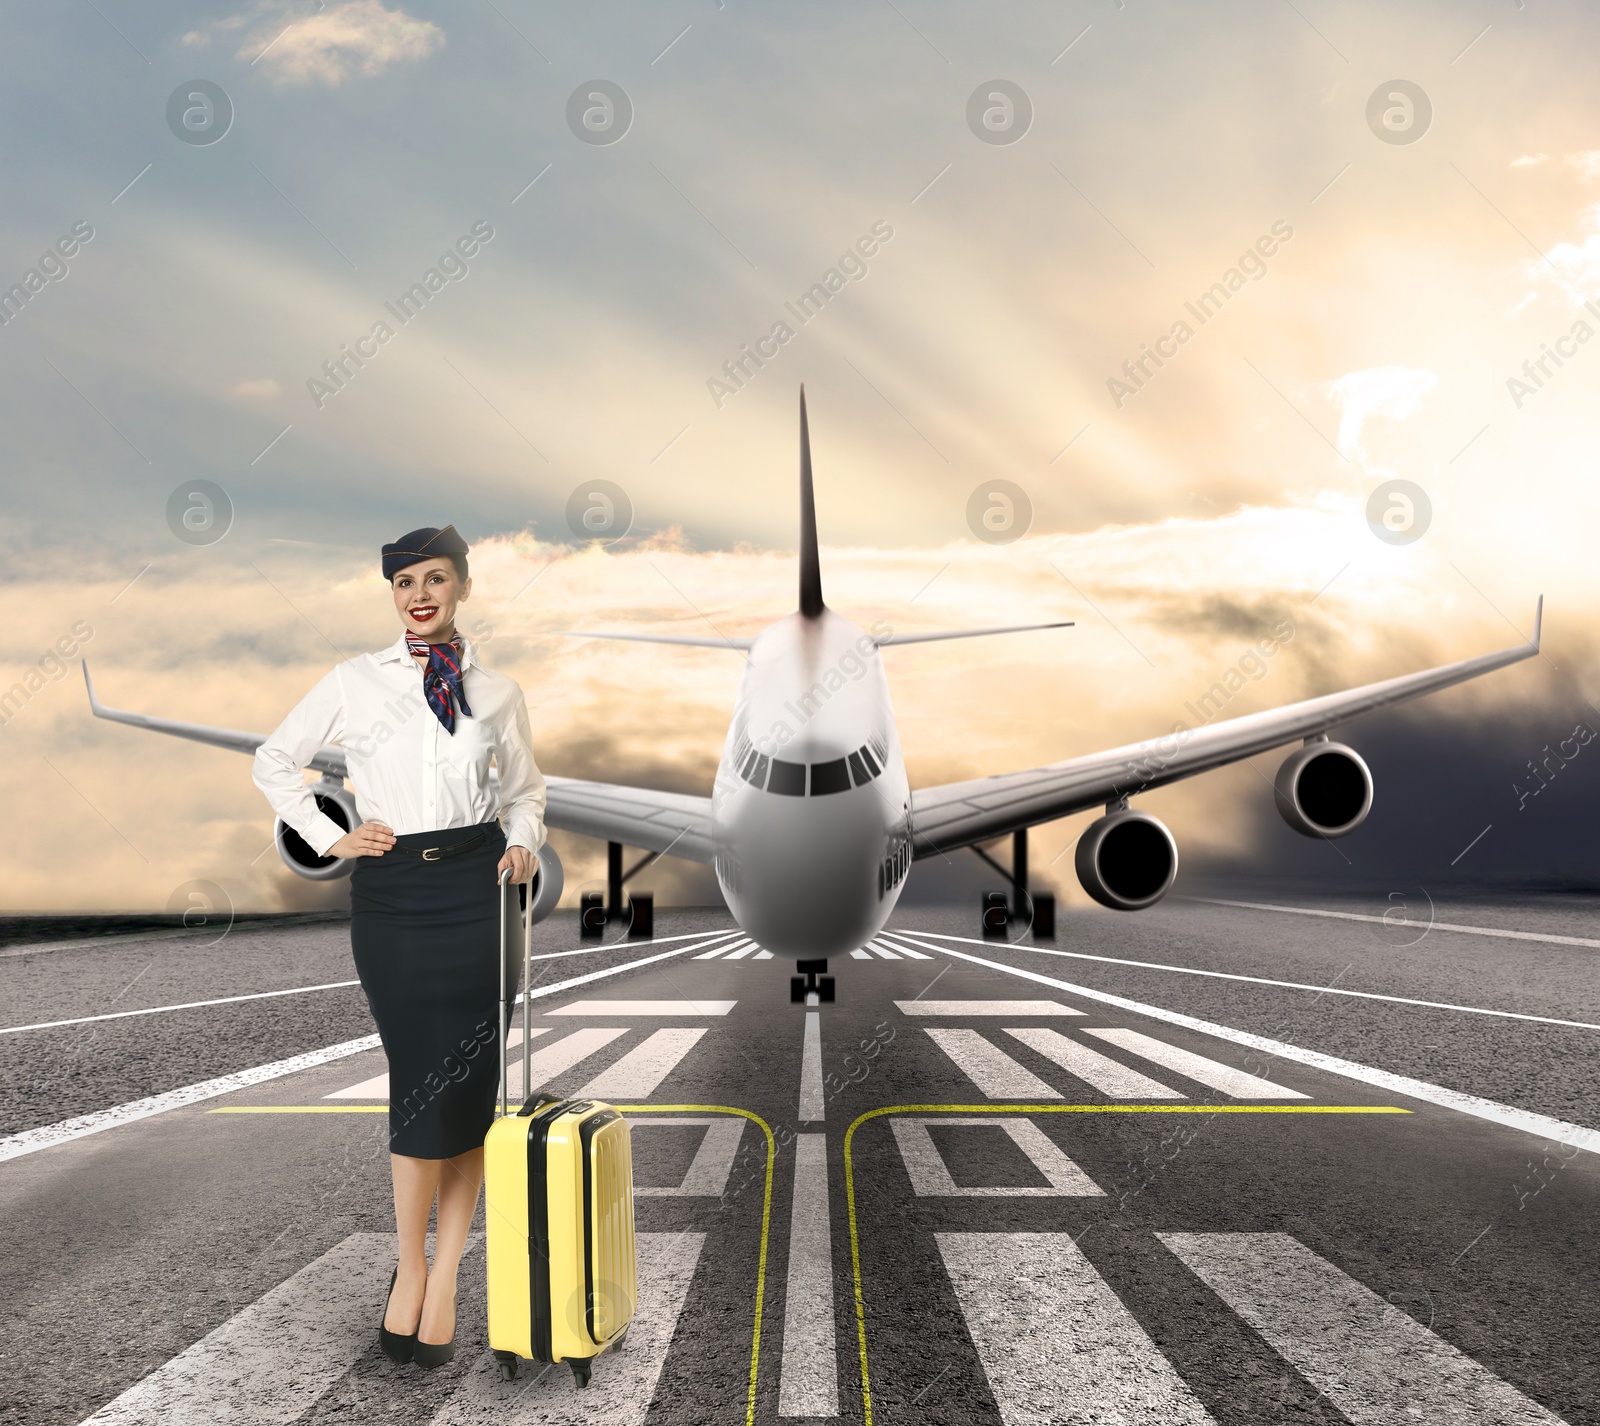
(519, 861)
(370, 839)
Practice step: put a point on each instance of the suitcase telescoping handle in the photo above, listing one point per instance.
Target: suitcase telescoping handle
(505, 991)
(505, 1009)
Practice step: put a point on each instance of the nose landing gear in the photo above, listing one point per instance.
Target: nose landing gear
(812, 980)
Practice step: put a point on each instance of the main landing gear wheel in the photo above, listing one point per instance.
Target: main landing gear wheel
(507, 1363)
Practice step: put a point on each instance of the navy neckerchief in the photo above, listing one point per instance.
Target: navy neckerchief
(441, 678)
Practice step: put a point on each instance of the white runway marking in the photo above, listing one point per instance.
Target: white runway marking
(593, 975)
(1230, 1081)
(707, 1176)
(996, 1074)
(1552, 939)
(1375, 1364)
(861, 955)
(763, 955)
(931, 1177)
(47, 1136)
(1540, 1125)
(624, 1383)
(1100, 1071)
(1055, 1341)
(270, 1363)
(1298, 984)
(30, 1141)
(378, 1086)
(905, 950)
(557, 1058)
(375, 1088)
(639, 1072)
(808, 1380)
(187, 1005)
(644, 1007)
(705, 938)
(728, 949)
(882, 951)
(812, 1100)
(1007, 1008)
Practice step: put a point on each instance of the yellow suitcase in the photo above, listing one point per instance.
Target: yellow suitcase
(558, 1205)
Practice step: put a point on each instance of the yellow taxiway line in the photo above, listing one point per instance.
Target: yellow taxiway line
(850, 1182)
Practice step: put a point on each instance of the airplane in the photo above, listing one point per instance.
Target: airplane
(812, 824)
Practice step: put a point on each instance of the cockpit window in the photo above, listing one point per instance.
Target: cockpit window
(829, 777)
(788, 779)
(754, 768)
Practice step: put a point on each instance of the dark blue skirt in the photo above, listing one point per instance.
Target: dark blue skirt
(426, 939)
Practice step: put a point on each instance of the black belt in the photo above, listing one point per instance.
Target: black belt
(442, 854)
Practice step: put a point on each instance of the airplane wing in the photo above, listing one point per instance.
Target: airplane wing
(689, 640)
(959, 814)
(328, 760)
(672, 823)
(883, 641)
(886, 641)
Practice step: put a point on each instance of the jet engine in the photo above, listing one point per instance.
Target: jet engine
(1127, 860)
(1324, 790)
(548, 879)
(296, 851)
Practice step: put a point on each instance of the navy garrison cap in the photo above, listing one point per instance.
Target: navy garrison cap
(425, 544)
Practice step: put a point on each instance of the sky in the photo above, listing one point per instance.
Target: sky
(1197, 283)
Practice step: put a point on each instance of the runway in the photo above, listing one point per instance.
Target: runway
(1166, 1176)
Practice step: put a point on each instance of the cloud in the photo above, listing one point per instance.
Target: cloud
(1392, 391)
(1587, 163)
(359, 37)
(1530, 160)
(1188, 595)
(1577, 262)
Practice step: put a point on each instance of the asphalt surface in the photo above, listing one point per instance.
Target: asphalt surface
(1028, 1245)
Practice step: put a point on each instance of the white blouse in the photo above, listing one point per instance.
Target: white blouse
(407, 770)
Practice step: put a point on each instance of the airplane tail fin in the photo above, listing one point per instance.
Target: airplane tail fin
(811, 605)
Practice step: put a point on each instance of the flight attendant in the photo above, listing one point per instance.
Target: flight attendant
(421, 722)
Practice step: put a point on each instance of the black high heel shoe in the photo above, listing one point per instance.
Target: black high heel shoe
(397, 1347)
(429, 1355)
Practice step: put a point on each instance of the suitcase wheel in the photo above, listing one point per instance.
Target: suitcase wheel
(622, 1337)
(507, 1362)
(580, 1369)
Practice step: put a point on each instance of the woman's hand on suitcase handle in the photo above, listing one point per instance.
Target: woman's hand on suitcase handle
(370, 839)
(519, 861)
